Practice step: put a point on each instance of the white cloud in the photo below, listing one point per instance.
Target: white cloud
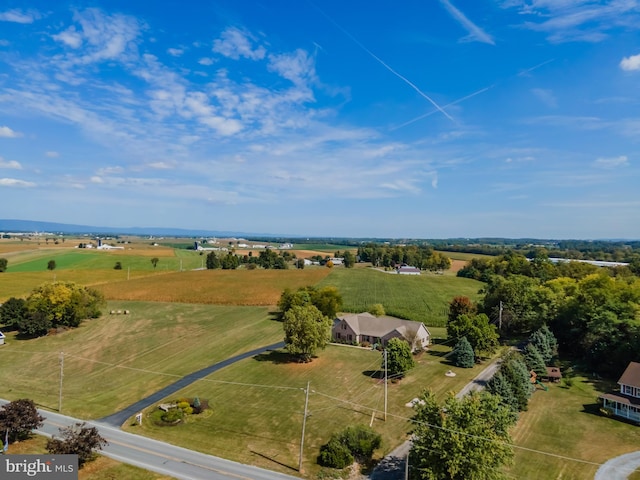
(475, 32)
(4, 43)
(160, 165)
(235, 43)
(96, 179)
(298, 66)
(6, 132)
(51, 154)
(70, 37)
(10, 164)
(545, 96)
(577, 20)
(104, 37)
(13, 182)
(109, 171)
(19, 16)
(612, 162)
(175, 52)
(630, 63)
(206, 61)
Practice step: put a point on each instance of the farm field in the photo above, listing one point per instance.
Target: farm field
(566, 422)
(114, 361)
(221, 287)
(422, 298)
(102, 468)
(257, 405)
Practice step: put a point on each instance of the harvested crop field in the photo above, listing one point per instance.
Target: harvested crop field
(221, 287)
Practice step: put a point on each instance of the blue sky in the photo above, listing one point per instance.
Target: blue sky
(428, 119)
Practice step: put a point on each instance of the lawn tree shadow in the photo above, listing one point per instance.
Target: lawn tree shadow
(275, 356)
(275, 316)
(377, 374)
(281, 356)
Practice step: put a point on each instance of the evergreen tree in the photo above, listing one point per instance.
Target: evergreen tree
(515, 372)
(462, 355)
(534, 360)
(551, 340)
(498, 385)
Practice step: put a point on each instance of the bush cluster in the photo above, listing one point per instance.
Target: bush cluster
(356, 442)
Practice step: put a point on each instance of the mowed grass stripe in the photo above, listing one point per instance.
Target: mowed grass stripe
(422, 298)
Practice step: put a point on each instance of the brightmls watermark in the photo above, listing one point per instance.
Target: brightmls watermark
(45, 467)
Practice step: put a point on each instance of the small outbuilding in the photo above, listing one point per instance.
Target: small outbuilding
(553, 374)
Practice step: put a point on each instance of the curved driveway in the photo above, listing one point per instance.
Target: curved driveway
(619, 468)
(118, 418)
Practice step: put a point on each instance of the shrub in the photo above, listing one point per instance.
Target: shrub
(188, 410)
(355, 441)
(335, 454)
(183, 404)
(360, 440)
(174, 415)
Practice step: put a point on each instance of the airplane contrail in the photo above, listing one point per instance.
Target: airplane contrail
(379, 60)
(428, 114)
(478, 92)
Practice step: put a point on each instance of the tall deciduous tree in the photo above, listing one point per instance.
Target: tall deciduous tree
(12, 312)
(51, 265)
(463, 439)
(399, 358)
(461, 305)
(481, 334)
(306, 330)
(3, 264)
(18, 419)
(154, 261)
(78, 439)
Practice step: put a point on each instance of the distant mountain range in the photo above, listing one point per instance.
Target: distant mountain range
(7, 225)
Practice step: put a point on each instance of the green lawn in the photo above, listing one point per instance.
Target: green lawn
(114, 361)
(422, 298)
(565, 422)
(257, 405)
(89, 259)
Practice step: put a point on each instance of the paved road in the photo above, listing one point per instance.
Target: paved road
(161, 457)
(118, 418)
(619, 468)
(392, 466)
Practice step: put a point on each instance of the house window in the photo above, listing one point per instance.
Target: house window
(344, 326)
(350, 337)
(338, 335)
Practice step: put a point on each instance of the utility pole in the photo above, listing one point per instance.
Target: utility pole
(304, 424)
(128, 272)
(406, 467)
(500, 317)
(385, 384)
(61, 361)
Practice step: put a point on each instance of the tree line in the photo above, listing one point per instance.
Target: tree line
(419, 256)
(51, 305)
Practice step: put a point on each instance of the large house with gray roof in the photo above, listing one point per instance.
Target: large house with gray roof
(366, 328)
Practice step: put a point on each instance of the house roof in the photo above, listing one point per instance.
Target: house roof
(367, 324)
(631, 375)
(623, 399)
(553, 372)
